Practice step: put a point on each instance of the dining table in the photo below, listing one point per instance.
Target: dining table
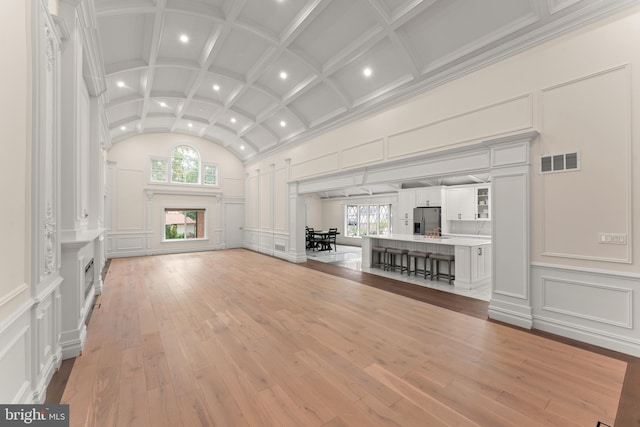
(322, 241)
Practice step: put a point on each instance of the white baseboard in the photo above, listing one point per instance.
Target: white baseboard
(510, 317)
(616, 343)
(72, 342)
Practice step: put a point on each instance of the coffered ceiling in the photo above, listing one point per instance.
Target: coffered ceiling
(216, 68)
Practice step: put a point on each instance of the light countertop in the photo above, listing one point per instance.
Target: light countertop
(445, 240)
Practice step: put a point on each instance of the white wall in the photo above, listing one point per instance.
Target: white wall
(15, 187)
(15, 116)
(137, 216)
(30, 303)
(578, 91)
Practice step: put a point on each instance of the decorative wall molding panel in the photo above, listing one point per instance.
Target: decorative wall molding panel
(363, 154)
(510, 194)
(593, 306)
(471, 159)
(504, 117)
(127, 244)
(44, 314)
(46, 352)
(321, 165)
(15, 357)
(273, 244)
(570, 119)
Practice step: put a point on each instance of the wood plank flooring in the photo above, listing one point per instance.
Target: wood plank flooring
(236, 338)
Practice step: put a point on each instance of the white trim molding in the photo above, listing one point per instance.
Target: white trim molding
(595, 306)
(15, 356)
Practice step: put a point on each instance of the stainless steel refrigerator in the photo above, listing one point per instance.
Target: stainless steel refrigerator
(427, 220)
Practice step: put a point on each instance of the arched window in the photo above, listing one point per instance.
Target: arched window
(185, 165)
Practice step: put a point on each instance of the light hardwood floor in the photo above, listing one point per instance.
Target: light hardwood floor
(235, 338)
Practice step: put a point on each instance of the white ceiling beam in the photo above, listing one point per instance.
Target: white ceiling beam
(154, 49)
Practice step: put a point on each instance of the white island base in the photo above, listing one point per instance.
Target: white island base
(472, 266)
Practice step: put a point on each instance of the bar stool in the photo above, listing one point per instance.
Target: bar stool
(391, 259)
(442, 257)
(381, 253)
(416, 255)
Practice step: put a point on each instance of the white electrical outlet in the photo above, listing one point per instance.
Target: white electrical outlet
(613, 238)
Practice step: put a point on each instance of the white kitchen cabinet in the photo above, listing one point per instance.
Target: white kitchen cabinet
(481, 263)
(429, 196)
(472, 265)
(461, 203)
(468, 203)
(483, 201)
(406, 203)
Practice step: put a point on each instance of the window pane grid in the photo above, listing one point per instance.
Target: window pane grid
(210, 176)
(185, 165)
(367, 220)
(158, 170)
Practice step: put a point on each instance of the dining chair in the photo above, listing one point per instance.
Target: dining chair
(333, 233)
(311, 240)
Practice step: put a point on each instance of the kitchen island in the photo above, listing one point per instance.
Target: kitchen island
(472, 267)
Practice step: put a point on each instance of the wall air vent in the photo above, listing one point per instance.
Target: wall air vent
(560, 163)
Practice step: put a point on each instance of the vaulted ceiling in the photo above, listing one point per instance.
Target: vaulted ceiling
(216, 68)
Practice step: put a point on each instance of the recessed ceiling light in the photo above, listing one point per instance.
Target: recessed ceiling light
(120, 84)
(242, 147)
(233, 119)
(367, 72)
(163, 104)
(123, 128)
(283, 75)
(282, 123)
(216, 87)
(184, 38)
(190, 125)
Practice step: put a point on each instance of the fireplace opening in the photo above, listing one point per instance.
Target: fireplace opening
(88, 278)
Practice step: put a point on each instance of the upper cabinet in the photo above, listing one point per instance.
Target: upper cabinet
(429, 196)
(468, 203)
(482, 203)
(461, 203)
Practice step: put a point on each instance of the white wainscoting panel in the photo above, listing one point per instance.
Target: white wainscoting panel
(273, 244)
(598, 307)
(127, 244)
(47, 352)
(585, 300)
(15, 357)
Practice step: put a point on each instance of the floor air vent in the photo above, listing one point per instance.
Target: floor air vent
(280, 247)
(559, 163)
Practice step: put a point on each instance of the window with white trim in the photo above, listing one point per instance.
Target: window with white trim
(209, 174)
(182, 224)
(159, 170)
(185, 165)
(367, 220)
